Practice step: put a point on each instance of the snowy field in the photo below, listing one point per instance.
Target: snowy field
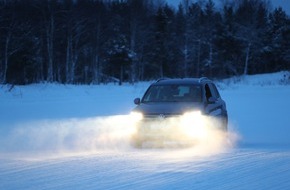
(78, 137)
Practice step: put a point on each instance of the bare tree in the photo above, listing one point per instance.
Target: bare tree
(48, 11)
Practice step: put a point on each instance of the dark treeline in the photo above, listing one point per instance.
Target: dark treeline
(94, 41)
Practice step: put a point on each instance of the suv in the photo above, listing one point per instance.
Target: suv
(186, 99)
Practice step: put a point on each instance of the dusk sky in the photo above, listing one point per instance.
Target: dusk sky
(285, 4)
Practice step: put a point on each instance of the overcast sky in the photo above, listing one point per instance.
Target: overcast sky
(285, 4)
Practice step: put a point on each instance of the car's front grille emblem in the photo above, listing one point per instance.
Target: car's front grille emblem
(161, 116)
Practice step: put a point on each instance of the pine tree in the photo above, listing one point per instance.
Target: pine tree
(277, 51)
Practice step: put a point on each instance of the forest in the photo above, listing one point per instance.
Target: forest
(100, 41)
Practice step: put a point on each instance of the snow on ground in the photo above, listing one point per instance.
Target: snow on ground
(77, 137)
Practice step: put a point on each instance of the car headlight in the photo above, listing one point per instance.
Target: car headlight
(192, 118)
(192, 114)
(136, 116)
(193, 124)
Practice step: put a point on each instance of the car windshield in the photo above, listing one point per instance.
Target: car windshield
(173, 93)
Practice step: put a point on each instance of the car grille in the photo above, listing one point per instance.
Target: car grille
(160, 116)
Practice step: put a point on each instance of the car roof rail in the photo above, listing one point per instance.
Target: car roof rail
(202, 79)
(161, 79)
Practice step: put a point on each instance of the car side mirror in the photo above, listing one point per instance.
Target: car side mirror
(137, 101)
(212, 100)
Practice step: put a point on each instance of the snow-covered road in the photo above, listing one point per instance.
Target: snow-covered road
(241, 168)
(65, 137)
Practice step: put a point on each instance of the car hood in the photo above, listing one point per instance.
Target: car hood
(172, 108)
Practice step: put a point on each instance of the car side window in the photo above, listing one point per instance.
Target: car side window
(208, 93)
(214, 91)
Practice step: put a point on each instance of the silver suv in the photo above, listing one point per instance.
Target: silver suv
(175, 98)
